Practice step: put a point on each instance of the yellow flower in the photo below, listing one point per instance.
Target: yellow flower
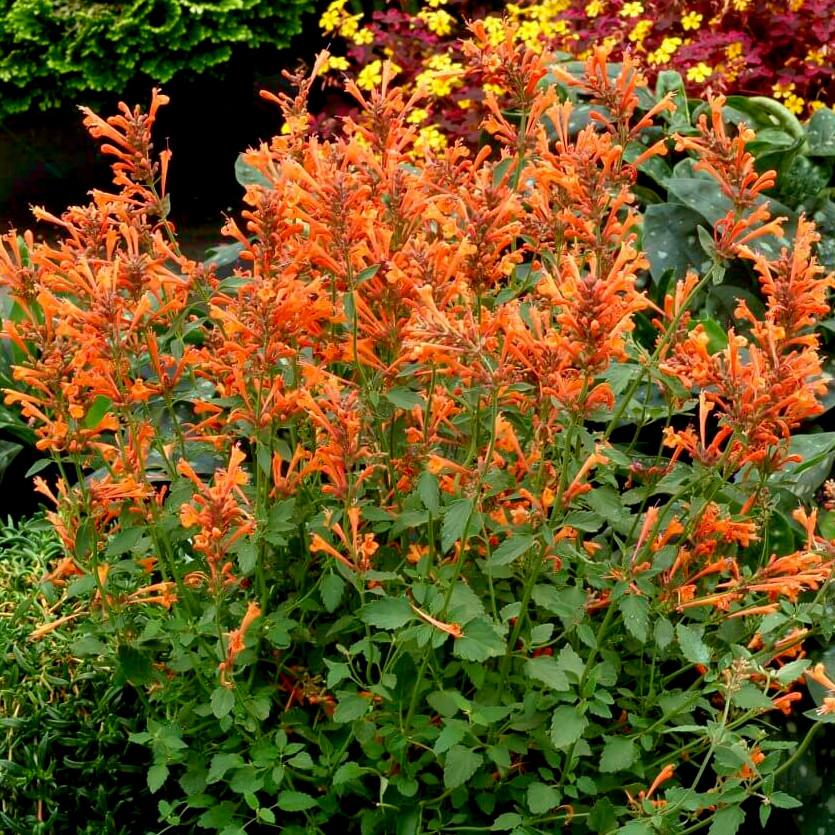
(816, 56)
(700, 72)
(429, 138)
(794, 103)
(741, 5)
(733, 50)
(435, 3)
(363, 37)
(440, 22)
(418, 115)
(632, 10)
(350, 26)
(640, 31)
(594, 8)
(332, 16)
(814, 106)
(782, 90)
(495, 89)
(529, 33)
(466, 104)
(441, 75)
(494, 28)
(370, 75)
(664, 52)
(692, 20)
(335, 62)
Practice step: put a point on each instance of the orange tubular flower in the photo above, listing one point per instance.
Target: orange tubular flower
(236, 643)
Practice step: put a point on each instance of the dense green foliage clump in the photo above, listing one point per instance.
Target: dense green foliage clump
(65, 763)
(55, 51)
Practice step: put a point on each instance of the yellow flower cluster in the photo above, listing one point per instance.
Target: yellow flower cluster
(335, 62)
(429, 138)
(437, 21)
(700, 72)
(441, 76)
(640, 31)
(664, 52)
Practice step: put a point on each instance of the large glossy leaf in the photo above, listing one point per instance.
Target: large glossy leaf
(671, 240)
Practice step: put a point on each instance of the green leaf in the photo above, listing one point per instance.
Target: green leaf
(293, 801)
(781, 800)
(461, 763)
(820, 133)
(670, 240)
(507, 821)
(97, 411)
(387, 613)
(246, 780)
(635, 611)
(567, 726)
(750, 697)
(453, 732)
(351, 707)
(347, 773)
(692, 646)
(404, 398)
(429, 492)
(542, 798)
(481, 640)
(246, 175)
(727, 821)
(618, 754)
(664, 633)
(223, 700)
(157, 775)
(331, 591)
(571, 662)
(464, 604)
(510, 550)
(547, 669)
(220, 764)
(134, 665)
(456, 517)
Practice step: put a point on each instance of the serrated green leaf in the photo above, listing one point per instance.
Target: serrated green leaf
(456, 517)
(387, 613)
(460, 765)
(453, 732)
(727, 821)
(618, 754)
(542, 798)
(347, 772)
(547, 669)
(481, 640)
(781, 800)
(351, 707)
(293, 801)
(692, 646)
(567, 726)
(429, 492)
(223, 700)
(157, 775)
(663, 633)
(635, 611)
(404, 398)
(331, 590)
(510, 550)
